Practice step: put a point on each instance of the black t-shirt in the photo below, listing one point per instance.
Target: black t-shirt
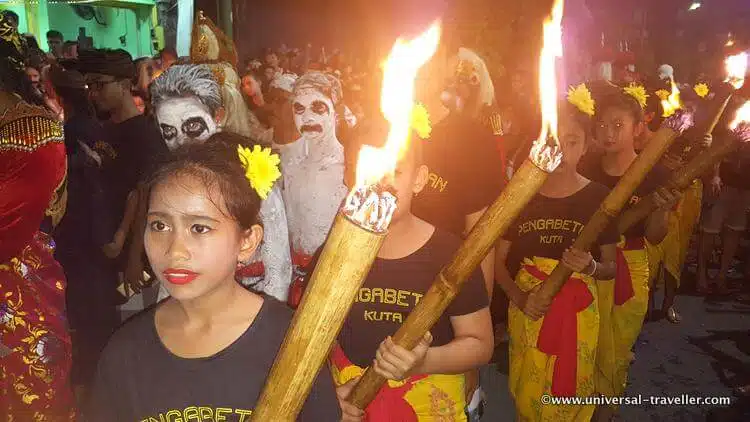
(140, 380)
(466, 173)
(548, 226)
(127, 150)
(734, 171)
(591, 167)
(393, 288)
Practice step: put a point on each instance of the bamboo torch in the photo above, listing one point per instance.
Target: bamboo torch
(544, 158)
(736, 67)
(673, 126)
(352, 245)
(696, 167)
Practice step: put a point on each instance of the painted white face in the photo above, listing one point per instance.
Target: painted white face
(184, 120)
(314, 115)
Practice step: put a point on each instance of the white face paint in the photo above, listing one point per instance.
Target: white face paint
(184, 120)
(314, 115)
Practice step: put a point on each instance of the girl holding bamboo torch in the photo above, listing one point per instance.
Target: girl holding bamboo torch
(624, 302)
(555, 355)
(428, 382)
(205, 351)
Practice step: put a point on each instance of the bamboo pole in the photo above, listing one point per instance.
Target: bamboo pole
(719, 112)
(524, 185)
(344, 263)
(619, 196)
(681, 179)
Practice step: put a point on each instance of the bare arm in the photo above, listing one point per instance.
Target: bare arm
(472, 346)
(113, 249)
(488, 264)
(506, 282)
(607, 268)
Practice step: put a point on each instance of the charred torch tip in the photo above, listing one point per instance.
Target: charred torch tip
(371, 207)
(742, 132)
(680, 121)
(546, 155)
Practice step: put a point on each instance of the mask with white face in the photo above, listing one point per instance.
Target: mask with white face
(184, 120)
(314, 115)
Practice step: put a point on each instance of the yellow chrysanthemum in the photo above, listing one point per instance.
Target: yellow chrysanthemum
(701, 89)
(261, 168)
(580, 96)
(663, 94)
(638, 92)
(420, 121)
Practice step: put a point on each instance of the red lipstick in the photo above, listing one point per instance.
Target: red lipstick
(179, 276)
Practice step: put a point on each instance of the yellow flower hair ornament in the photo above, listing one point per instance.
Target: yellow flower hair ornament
(420, 121)
(581, 98)
(261, 168)
(639, 93)
(663, 94)
(701, 89)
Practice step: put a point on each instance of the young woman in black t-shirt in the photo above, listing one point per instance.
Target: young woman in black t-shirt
(429, 382)
(205, 351)
(553, 346)
(619, 121)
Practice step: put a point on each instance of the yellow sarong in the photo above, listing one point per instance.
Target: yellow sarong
(622, 307)
(672, 251)
(534, 373)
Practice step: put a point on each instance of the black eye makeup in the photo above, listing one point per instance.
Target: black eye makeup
(319, 107)
(168, 132)
(194, 127)
(298, 108)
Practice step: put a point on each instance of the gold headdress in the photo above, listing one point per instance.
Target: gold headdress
(581, 98)
(209, 44)
(639, 93)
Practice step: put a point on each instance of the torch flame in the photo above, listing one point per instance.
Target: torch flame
(742, 116)
(542, 154)
(396, 103)
(736, 67)
(672, 103)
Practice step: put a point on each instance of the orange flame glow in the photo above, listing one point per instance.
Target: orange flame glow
(551, 51)
(545, 152)
(396, 103)
(736, 67)
(742, 116)
(672, 103)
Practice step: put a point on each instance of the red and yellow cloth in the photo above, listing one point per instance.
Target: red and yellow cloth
(623, 303)
(420, 398)
(672, 251)
(555, 355)
(34, 376)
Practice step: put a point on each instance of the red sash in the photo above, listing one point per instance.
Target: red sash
(623, 281)
(389, 405)
(559, 333)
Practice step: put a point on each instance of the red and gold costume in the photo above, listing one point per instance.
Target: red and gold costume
(35, 349)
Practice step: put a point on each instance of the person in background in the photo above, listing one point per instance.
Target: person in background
(253, 92)
(130, 141)
(70, 50)
(91, 304)
(55, 42)
(35, 78)
(167, 57)
(12, 18)
(35, 347)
